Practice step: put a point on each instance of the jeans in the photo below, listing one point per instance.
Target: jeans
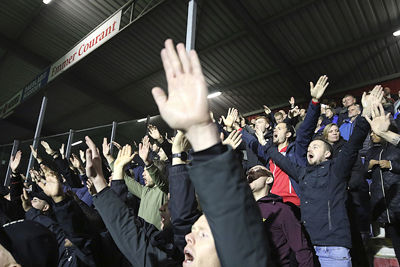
(333, 256)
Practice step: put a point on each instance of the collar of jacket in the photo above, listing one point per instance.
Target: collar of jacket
(290, 146)
(270, 198)
(321, 165)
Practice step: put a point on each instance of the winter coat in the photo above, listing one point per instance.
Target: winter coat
(385, 186)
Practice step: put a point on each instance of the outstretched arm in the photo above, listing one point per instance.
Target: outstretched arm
(380, 125)
(306, 131)
(225, 197)
(347, 157)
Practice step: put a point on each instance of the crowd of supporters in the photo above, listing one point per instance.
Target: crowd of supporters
(295, 188)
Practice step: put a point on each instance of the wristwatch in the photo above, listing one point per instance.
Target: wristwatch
(183, 156)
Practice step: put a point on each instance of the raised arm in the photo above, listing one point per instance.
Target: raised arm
(154, 172)
(131, 234)
(347, 157)
(225, 197)
(124, 157)
(306, 131)
(380, 125)
(182, 203)
(290, 168)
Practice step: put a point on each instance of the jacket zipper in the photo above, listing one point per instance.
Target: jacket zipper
(290, 186)
(329, 215)
(383, 189)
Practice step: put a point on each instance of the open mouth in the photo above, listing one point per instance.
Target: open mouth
(188, 257)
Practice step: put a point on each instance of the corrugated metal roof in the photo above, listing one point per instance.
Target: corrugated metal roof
(349, 40)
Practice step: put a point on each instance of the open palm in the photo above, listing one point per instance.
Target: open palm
(186, 104)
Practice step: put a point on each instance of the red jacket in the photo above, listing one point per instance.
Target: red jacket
(282, 185)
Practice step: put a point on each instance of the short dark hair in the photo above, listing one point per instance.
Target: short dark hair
(291, 129)
(326, 143)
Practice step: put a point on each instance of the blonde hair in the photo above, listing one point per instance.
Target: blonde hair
(326, 130)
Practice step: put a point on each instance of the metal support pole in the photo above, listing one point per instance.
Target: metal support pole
(69, 143)
(37, 133)
(112, 138)
(191, 25)
(13, 152)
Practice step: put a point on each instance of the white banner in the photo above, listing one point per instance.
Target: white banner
(94, 40)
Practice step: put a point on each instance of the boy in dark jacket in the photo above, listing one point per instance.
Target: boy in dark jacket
(323, 187)
(284, 230)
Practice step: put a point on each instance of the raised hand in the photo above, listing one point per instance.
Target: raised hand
(294, 112)
(106, 151)
(118, 146)
(155, 133)
(15, 161)
(291, 102)
(62, 151)
(267, 110)
(186, 106)
(234, 139)
(94, 168)
(47, 148)
(124, 157)
(35, 176)
(380, 122)
(318, 90)
(374, 98)
(169, 140)
(36, 155)
(144, 149)
(230, 117)
(90, 186)
(180, 144)
(76, 163)
(82, 156)
(106, 147)
(26, 202)
(51, 186)
(260, 137)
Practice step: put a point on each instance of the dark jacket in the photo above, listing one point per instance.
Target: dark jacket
(337, 147)
(63, 168)
(138, 240)
(385, 202)
(285, 232)
(77, 229)
(230, 208)
(182, 204)
(141, 242)
(68, 256)
(323, 187)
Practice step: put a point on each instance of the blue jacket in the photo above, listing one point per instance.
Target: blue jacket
(297, 150)
(346, 129)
